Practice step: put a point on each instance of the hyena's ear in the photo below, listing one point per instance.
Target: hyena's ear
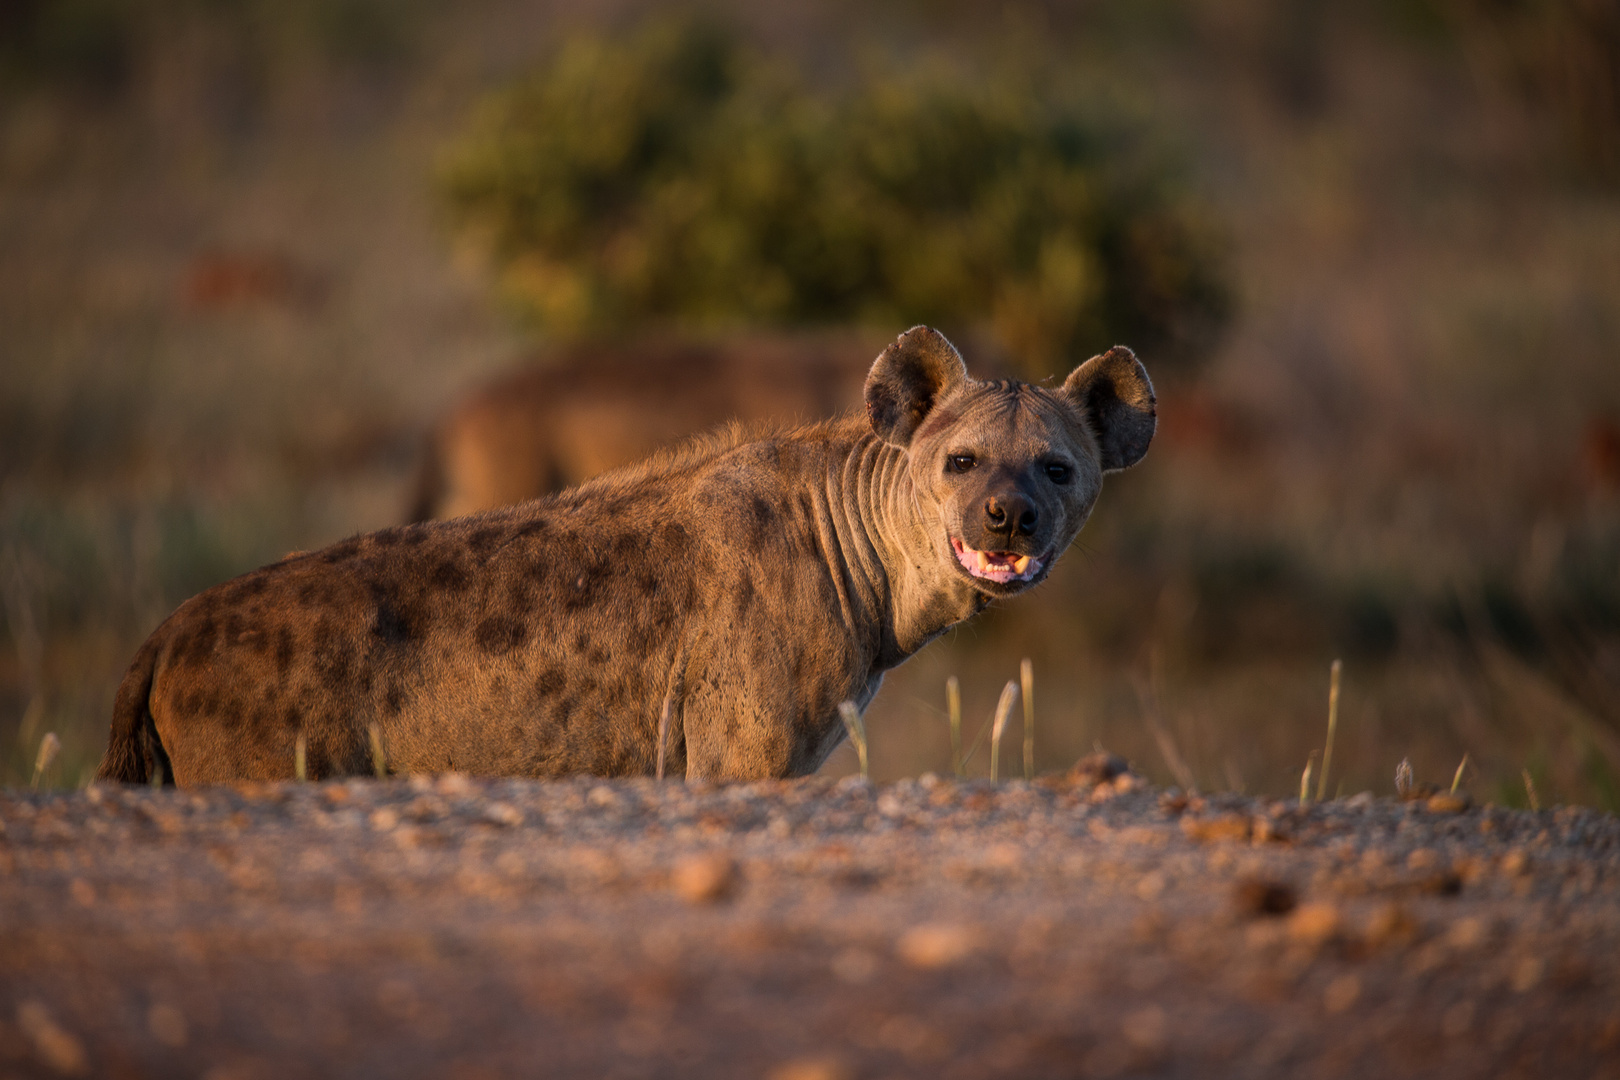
(1114, 394)
(908, 380)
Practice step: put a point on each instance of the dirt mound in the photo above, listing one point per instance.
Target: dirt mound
(462, 928)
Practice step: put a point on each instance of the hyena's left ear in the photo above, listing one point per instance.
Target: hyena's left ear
(1114, 394)
(908, 380)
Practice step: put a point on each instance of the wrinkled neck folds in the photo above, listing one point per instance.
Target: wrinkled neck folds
(887, 548)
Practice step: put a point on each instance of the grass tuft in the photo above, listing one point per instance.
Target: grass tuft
(49, 747)
(1149, 698)
(953, 708)
(1333, 723)
(301, 758)
(663, 732)
(1026, 675)
(379, 760)
(857, 733)
(1009, 695)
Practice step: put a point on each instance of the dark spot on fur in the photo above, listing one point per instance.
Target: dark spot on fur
(550, 682)
(497, 635)
(318, 593)
(579, 592)
(394, 700)
(532, 527)
(673, 538)
(450, 576)
(485, 540)
(292, 717)
(387, 538)
(341, 550)
(759, 523)
(284, 650)
(415, 535)
(391, 626)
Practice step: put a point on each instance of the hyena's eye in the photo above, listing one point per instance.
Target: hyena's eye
(1057, 472)
(960, 463)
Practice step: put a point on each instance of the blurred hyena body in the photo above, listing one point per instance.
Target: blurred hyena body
(599, 406)
(708, 610)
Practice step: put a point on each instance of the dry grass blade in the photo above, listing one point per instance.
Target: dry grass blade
(1403, 777)
(49, 747)
(1026, 675)
(663, 732)
(1530, 790)
(1457, 778)
(301, 758)
(857, 732)
(953, 708)
(1333, 723)
(1305, 779)
(1167, 745)
(379, 760)
(1009, 695)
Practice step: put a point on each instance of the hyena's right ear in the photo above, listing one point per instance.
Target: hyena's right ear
(908, 380)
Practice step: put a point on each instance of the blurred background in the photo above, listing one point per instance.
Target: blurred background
(250, 251)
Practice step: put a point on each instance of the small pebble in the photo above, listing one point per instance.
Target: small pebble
(936, 945)
(500, 813)
(705, 878)
(1314, 924)
(813, 1068)
(1448, 803)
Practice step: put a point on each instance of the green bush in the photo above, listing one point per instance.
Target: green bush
(681, 179)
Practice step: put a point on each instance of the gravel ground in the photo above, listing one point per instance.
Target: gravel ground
(805, 930)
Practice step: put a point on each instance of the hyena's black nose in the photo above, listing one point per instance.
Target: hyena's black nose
(1008, 513)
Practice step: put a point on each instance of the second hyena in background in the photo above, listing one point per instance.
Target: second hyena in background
(596, 407)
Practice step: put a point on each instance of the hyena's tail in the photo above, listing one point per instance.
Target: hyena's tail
(134, 754)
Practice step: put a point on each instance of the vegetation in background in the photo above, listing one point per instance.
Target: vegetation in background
(1405, 451)
(682, 179)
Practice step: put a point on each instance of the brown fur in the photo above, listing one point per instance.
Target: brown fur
(598, 407)
(753, 582)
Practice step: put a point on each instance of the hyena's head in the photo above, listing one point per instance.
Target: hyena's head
(1006, 473)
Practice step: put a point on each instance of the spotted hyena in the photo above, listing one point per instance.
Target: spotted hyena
(746, 583)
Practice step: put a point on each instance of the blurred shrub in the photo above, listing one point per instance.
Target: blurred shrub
(682, 179)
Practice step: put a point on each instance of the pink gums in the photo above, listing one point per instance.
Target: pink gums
(997, 566)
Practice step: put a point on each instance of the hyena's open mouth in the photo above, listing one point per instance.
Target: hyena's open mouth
(1001, 567)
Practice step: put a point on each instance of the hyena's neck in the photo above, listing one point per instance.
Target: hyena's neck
(893, 586)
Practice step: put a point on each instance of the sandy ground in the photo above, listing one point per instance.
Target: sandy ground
(809, 930)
